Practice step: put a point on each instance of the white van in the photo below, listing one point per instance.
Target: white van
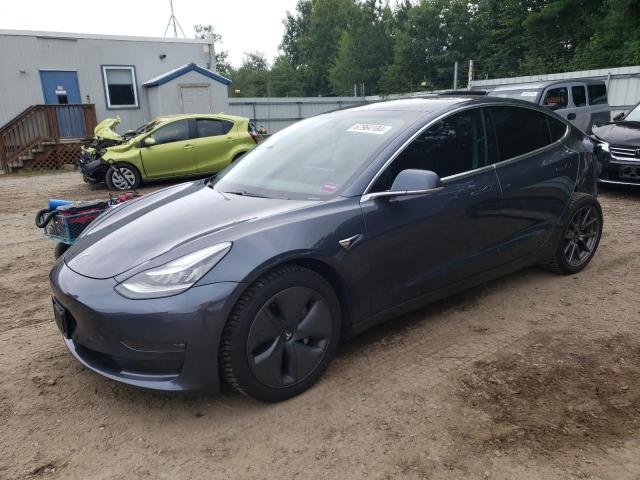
(582, 101)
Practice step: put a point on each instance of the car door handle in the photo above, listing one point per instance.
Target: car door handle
(480, 191)
(571, 116)
(188, 147)
(229, 139)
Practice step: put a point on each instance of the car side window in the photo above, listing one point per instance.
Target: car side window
(556, 128)
(597, 94)
(519, 130)
(207, 127)
(172, 132)
(556, 98)
(579, 95)
(453, 145)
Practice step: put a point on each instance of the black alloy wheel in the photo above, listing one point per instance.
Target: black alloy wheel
(281, 335)
(580, 237)
(289, 337)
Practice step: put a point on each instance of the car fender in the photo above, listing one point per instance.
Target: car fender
(309, 241)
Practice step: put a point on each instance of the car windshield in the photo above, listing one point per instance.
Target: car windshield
(634, 115)
(147, 127)
(527, 94)
(314, 158)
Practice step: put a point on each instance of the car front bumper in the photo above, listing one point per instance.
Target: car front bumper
(620, 171)
(168, 344)
(93, 170)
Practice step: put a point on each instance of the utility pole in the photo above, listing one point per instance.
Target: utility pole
(470, 78)
(173, 22)
(455, 76)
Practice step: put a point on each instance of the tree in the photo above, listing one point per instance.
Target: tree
(252, 78)
(285, 80)
(311, 40)
(364, 50)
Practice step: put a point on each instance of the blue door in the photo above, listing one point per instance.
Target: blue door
(61, 88)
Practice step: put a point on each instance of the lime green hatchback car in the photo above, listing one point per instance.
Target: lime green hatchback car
(168, 147)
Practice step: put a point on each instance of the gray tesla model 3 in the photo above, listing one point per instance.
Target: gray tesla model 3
(332, 225)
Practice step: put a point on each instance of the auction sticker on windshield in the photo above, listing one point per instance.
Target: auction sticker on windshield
(370, 128)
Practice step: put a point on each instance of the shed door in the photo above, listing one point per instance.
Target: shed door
(61, 88)
(195, 99)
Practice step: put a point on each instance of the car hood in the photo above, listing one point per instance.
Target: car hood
(161, 226)
(104, 130)
(619, 133)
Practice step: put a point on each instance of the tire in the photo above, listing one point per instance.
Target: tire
(580, 236)
(115, 181)
(59, 249)
(281, 335)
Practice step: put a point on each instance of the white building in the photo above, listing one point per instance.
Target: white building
(136, 78)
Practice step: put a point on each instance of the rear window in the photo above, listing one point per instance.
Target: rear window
(211, 128)
(579, 96)
(519, 130)
(597, 94)
(556, 98)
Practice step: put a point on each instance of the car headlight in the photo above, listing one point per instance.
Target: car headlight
(604, 146)
(173, 277)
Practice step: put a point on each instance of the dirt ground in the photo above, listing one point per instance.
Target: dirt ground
(533, 376)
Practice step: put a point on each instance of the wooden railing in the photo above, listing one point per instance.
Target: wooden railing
(41, 125)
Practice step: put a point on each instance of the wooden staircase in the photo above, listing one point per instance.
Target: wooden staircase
(45, 136)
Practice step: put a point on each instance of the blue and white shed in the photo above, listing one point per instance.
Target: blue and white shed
(188, 88)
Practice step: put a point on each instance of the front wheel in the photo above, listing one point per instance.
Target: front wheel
(281, 335)
(581, 235)
(122, 177)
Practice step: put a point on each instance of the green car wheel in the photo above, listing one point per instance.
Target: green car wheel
(122, 177)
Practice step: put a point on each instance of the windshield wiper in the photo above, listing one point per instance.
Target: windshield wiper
(247, 194)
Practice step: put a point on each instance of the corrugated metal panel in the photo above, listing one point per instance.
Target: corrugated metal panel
(277, 113)
(624, 83)
(599, 73)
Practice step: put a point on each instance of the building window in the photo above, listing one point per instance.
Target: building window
(120, 86)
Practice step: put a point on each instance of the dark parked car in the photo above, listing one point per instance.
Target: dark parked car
(332, 225)
(620, 141)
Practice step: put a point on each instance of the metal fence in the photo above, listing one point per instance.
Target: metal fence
(623, 83)
(273, 113)
(277, 113)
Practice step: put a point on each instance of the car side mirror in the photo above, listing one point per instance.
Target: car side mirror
(410, 182)
(619, 116)
(148, 142)
(415, 180)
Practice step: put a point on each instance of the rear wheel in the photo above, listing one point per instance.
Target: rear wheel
(282, 334)
(581, 235)
(122, 177)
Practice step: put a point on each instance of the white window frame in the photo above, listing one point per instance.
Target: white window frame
(132, 69)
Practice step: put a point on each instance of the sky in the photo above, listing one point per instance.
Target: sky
(245, 25)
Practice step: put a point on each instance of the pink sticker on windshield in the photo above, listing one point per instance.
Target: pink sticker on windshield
(329, 187)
